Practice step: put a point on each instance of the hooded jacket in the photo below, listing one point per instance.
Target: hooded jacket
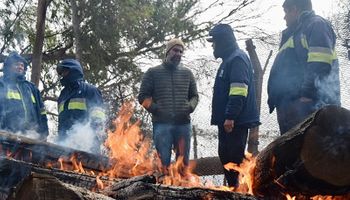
(21, 106)
(306, 64)
(79, 101)
(234, 90)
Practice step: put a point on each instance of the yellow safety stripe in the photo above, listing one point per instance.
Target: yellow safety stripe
(60, 107)
(98, 112)
(43, 111)
(77, 104)
(238, 89)
(288, 44)
(304, 41)
(33, 99)
(321, 54)
(13, 94)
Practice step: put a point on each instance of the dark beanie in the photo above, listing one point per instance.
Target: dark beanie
(221, 32)
(300, 4)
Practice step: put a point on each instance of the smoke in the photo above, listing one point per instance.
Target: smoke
(82, 137)
(30, 134)
(329, 87)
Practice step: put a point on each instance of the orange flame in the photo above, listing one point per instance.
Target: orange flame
(245, 170)
(100, 184)
(128, 148)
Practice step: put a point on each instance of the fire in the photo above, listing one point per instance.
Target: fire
(100, 184)
(130, 154)
(129, 150)
(245, 170)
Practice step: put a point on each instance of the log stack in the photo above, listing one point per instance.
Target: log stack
(25, 174)
(311, 159)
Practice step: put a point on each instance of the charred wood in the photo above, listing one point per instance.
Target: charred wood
(45, 153)
(147, 190)
(46, 187)
(12, 172)
(311, 159)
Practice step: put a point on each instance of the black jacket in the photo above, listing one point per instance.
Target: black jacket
(173, 91)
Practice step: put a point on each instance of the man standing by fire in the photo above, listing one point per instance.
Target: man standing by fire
(234, 108)
(305, 73)
(169, 92)
(79, 103)
(21, 107)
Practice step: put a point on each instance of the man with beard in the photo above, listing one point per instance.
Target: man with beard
(21, 107)
(79, 103)
(234, 108)
(169, 92)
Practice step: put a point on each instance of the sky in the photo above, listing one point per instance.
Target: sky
(273, 19)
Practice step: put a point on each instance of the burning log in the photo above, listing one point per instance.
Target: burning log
(39, 186)
(45, 153)
(145, 187)
(12, 172)
(311, 159)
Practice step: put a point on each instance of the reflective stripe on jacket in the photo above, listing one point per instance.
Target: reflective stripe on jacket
(248, 115)
(21, 107)
(79, 103)
(306, 64)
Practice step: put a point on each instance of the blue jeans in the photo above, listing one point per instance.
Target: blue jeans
(167, 136)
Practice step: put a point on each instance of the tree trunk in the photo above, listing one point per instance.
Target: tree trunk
(39, 40)
(258, 81)
(76, 29)
(311, 159)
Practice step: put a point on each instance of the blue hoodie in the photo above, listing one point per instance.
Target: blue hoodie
(21, 106)
(78, 101)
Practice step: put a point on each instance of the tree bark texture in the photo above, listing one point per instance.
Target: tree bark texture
(39, 40)
(76, 29)
(311, 159)
(258, 82)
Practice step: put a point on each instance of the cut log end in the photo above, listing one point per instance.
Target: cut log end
(326, 148)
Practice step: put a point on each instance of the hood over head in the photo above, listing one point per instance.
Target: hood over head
(14, 57)
(225, 41)
(75, 71)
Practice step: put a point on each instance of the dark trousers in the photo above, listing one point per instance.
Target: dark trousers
(290, 113)
(231, 149)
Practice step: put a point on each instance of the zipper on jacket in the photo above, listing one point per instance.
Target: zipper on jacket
(173, 92)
